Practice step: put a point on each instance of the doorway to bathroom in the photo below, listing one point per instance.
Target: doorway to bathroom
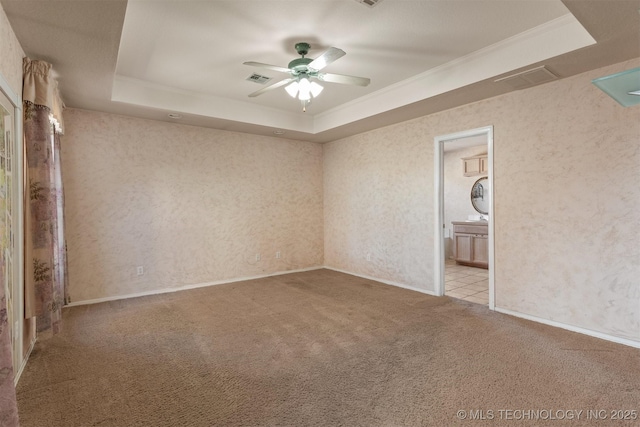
(464, 256)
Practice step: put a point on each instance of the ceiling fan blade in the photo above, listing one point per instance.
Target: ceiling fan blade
(346, 80)
(327, 58)
(270, 67)
(271, 87)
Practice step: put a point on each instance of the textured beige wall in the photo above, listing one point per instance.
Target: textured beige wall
(457, 190)
(567, 205)
(11, 55)
(191, 205)
(567, 202)
(377, 198)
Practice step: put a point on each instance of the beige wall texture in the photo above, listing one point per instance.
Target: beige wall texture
(11, 55)
(566, 200)
(190, 205)
(378, 209)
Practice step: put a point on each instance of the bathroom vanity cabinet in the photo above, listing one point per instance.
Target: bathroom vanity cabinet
(471, 243)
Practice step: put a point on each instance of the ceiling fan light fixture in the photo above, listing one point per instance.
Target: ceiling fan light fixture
(292, 89)
(304, 88)
(622, 87)
(315, 89)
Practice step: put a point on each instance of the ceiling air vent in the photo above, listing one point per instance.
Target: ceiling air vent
(258, 78)
(369, 3)
(528, 78)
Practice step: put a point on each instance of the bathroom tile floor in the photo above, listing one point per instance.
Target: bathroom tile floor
(466, 283)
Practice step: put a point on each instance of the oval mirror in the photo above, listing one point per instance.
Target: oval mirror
(480, 193)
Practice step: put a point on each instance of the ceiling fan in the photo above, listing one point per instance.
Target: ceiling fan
(303, 70)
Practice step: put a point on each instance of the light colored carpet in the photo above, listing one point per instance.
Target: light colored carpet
(317, 348)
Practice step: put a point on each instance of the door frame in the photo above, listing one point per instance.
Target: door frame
(17, 328)
(438, 270)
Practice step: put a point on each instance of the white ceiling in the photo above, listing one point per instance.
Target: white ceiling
(149, 58)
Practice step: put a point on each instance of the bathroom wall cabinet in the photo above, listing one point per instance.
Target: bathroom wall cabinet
(475, 165)
(471, 243)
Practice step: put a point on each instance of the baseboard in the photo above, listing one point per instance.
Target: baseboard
(386, 282)
(186, 287)
(25, 359)
(584, 331)
(571, 328)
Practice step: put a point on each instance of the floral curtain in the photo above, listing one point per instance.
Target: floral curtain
(45, 251)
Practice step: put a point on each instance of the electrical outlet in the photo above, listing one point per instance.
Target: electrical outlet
(368, 257)
(257, 257)
(140, 270)
(278, 255)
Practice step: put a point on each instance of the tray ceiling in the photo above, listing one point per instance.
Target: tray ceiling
(152, 58)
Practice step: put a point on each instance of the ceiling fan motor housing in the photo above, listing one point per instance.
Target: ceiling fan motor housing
(300, 66)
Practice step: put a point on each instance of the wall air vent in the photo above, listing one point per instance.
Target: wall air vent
(258, 78)
(369, 3)
(528, 78)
